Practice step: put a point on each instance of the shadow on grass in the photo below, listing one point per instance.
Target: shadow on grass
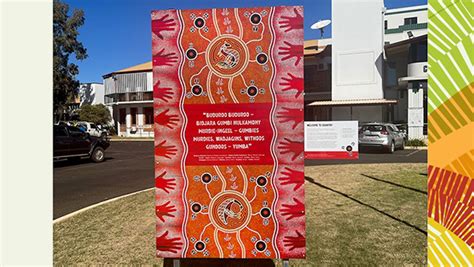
(394, 184)
(311, 180)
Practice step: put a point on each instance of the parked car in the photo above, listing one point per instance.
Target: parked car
(403, 128)
(91, 128)
(382, 135)
(72, 143)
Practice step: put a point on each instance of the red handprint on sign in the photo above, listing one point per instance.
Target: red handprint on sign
(162, 93)
(292, 177)
(165, 151)
(168, 244)
(166, 120)
(298, 241)
(290, 114)
(293, 211)
(164, 59)
(164, 210)
(291, 51)
(293, 83)
(291, 23)
(164, 183)
(289, 146)
(162, 24)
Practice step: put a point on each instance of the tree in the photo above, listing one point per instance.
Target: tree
(98, 114)
(65, 44)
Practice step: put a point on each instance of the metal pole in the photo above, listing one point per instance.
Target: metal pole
(286, 263)
(176, 263)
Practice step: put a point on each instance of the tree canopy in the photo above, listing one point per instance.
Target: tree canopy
(65, 44)
(98, 114)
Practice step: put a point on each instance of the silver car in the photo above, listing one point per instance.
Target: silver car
(382, 135)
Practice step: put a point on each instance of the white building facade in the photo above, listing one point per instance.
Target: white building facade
(406, 68)
(399, 21)
(129, 96)
(378, 66)
(91, 94)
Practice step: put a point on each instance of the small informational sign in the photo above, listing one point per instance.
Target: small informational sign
(331, 140)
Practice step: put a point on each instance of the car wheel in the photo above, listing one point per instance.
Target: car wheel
(391, 147)
(98, 155)
(402, 147)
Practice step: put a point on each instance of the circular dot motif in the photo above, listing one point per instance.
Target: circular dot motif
(262, 181)
(262, 58)
(265, 212)
(191, 53)
(260, 246)
(255, 18)
(206, 178)
(252, 91)
(199, 23)
(227, 56)
(230, 211)
(196, 207)
(196, 90)
(199, 246)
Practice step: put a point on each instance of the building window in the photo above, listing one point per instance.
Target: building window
(133, 114)
(147, 95)
(148, 114)
(418, 52)
(123, 97)
(385, 25)
(410, 21)
(122, 115)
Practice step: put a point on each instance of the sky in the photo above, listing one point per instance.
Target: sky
(117, 33)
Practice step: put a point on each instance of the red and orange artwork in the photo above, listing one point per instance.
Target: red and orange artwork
(228, 113)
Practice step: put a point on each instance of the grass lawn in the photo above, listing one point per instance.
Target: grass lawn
(370, 214)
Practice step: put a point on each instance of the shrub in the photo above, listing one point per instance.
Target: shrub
(98, 114)
(416, 142)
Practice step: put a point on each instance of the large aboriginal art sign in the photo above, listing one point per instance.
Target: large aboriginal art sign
(228, 107)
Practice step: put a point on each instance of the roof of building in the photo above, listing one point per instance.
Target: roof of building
(353, 102)
(404, 43)
(314, 47)
(394, 11)
(140, 67)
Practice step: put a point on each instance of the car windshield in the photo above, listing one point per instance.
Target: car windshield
(373, 128)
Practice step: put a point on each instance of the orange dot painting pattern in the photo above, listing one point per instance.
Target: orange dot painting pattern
(229, 174)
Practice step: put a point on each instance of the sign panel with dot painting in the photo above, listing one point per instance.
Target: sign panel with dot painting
(229, 154)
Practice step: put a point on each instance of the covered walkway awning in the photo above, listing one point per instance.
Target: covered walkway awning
(353, 102)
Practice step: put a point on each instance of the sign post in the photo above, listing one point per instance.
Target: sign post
(229, 154)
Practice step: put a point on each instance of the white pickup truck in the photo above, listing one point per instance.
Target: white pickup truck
(92, 129)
